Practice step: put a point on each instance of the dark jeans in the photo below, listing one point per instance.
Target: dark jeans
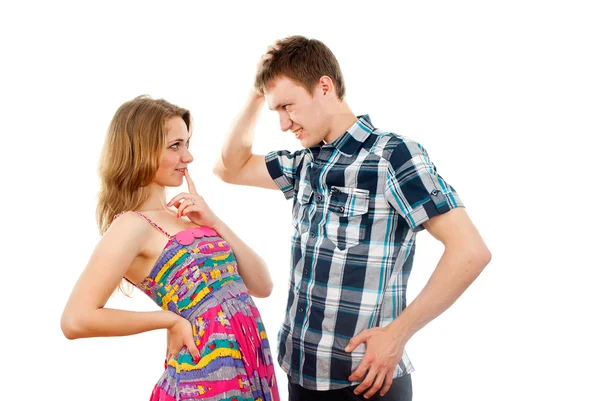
(401, 390)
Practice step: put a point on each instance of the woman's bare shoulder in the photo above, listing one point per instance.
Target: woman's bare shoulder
(129, 226)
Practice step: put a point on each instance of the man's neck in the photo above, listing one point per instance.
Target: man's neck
(342, 120)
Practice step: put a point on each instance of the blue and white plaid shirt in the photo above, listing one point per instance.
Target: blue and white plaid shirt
(358, 204)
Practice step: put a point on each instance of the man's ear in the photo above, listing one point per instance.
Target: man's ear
(325, 86)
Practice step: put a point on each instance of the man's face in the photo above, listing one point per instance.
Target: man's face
(299, 112)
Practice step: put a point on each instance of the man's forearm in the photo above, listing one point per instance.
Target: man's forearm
(455, 272)
(237, 148)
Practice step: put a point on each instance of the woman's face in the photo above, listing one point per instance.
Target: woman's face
(176, 155)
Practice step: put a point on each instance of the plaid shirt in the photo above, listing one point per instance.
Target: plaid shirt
(358, 204)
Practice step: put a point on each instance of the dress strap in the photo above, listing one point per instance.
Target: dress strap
(159, 228)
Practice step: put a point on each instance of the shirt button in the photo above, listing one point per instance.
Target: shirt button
(319, 198)
(301, 310)
(313, 235)
(306, 271)
(342, 209)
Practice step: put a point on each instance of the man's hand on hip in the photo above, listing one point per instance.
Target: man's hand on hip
(384, 351)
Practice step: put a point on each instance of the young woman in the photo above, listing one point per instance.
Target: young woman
(182, 256)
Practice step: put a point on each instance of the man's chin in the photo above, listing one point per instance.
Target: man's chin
(309, 144)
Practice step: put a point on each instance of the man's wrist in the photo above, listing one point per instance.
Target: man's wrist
(399, 331)
(255, 95)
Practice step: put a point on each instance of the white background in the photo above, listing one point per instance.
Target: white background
(505, 96)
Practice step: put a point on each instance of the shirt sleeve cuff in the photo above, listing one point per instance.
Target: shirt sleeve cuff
(276, 173)
(437, 204)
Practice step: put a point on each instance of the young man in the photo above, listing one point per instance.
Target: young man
(360, 196)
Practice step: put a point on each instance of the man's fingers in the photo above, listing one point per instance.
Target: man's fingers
(360, 371)
(367, 382)
(387, 383)
(376, 385)
(356, 340)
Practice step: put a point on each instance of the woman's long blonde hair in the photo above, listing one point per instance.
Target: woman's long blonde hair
(131, 155)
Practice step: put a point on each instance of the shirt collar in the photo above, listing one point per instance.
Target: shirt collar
(351, 140)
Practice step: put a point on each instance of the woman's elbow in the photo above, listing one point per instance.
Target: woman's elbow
(264, 290)
(263, 293)
(268, 290)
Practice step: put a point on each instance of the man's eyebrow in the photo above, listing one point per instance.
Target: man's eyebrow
(279, 105)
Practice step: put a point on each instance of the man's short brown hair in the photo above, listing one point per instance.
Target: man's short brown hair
(302, 60)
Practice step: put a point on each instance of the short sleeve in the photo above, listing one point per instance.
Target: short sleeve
(284, 167)
(413, 186)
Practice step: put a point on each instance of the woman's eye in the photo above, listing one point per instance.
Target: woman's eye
(175, 146)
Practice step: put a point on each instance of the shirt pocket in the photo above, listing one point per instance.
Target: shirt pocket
(345, 213)
(301, 203)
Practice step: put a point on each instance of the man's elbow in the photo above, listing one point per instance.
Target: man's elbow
(221, 172)
(71, 326)
(481, 257)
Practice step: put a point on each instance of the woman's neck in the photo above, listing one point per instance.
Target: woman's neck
(157, 200)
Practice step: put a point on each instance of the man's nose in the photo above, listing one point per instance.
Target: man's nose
(285, 122)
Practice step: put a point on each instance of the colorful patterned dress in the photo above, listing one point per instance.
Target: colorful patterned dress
(196, 277)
